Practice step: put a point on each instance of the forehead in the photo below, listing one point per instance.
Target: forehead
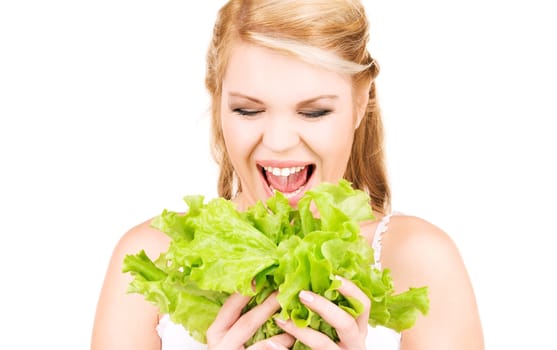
(269, 74)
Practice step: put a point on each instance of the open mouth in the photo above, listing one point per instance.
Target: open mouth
(290, 181)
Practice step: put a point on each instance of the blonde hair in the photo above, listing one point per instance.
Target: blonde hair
(329, 33)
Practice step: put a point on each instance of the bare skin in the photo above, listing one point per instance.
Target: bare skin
(416, 252)
(420, 254)
(127, 321)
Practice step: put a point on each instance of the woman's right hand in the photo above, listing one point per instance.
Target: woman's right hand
(231, 329)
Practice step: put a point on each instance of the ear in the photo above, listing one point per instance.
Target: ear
(362, 100)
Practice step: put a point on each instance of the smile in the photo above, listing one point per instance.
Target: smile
(290, 181)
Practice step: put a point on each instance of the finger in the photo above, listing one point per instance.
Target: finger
(308, 336)
(250, 322)
(349, 289)
(267, 345)
(227, 316)
(345, 324)
(282, 341)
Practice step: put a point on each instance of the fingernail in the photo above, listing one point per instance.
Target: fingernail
(337, 277)
(306, 296)
(280, 321)
(273, 345)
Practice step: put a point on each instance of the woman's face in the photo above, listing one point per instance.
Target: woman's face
(287, 125)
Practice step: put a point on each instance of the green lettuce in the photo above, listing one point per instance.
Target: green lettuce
(216, 250)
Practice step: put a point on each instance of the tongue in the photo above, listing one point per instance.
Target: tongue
(287, 184)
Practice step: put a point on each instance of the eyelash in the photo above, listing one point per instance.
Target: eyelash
(247, 112)
(310, 114)
(316, 114)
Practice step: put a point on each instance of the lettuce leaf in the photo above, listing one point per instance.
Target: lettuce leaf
(216, 250)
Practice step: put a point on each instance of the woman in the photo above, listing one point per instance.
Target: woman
(293, 105)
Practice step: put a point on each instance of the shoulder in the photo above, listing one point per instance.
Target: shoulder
(415, 249)
(142, 237)
(420, 254)
(116, 307)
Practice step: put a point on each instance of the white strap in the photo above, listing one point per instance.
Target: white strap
(382, 227)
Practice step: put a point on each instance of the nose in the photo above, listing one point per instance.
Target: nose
(280, 134)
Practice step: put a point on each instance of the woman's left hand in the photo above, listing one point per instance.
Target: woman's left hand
(351, 331)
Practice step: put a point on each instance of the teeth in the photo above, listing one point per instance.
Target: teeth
(283, 171)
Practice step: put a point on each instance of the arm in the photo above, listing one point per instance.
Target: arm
(420, 254)
(126, 321)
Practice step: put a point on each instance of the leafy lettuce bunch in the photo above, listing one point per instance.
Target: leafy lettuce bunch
(216, 250)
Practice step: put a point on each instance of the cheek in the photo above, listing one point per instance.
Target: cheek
(233, 143)
(238, 139)
(333, 144)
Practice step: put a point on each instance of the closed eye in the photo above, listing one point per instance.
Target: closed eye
(315, 114)
(247, 112)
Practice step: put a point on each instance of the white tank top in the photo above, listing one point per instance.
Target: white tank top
(175, 337)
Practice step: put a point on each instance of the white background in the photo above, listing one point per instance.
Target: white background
(103, 123)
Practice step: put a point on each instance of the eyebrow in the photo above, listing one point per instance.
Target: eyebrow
(301, 103)
(253, 99)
